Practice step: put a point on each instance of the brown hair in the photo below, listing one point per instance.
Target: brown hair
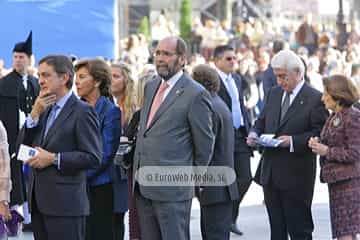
(206, 76)
(62, 65)
(100, 71)
(341, 89)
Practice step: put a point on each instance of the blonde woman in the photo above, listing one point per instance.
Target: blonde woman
(123, 90)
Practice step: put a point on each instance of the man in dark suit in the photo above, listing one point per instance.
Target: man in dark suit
(216, 201)
(293, 112)
(18, 91)
(66, 133)
(231, 93)
(175, 130)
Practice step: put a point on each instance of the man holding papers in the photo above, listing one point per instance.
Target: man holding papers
(65, 132)
(293, 112)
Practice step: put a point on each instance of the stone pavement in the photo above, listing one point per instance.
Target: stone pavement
(253, 219)
(254, 224)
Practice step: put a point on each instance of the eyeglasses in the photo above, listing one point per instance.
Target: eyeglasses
(158, 53)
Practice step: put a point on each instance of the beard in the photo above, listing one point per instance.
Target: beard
(166, 71)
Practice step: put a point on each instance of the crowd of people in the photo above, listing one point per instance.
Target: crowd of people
(172, 109)
(324, 49)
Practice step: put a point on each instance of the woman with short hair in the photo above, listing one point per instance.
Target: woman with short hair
(339, 148)
(93, 79)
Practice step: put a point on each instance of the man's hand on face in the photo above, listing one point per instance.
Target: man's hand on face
(42, 102)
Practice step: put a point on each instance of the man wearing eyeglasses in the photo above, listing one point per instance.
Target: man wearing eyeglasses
(293, 112)
(231, 93)
(175, 130)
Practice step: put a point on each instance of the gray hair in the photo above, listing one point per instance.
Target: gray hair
(287, 59)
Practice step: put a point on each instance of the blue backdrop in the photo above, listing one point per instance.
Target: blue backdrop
(81, 27)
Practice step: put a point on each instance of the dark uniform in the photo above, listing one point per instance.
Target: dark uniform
(14, 97)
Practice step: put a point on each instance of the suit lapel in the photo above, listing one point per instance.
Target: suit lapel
(33, 82)
(100, 108)
(224, 94)
(295, 105)
(42, 122)
(237, 81)
(176, 91)
(63, 115)
(277, 107)
(244, 113)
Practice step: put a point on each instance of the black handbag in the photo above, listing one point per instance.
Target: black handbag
(125, 153)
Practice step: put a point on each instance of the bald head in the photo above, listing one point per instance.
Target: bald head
(178, 44)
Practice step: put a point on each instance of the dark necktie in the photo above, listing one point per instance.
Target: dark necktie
(285, 105)
(51, 118)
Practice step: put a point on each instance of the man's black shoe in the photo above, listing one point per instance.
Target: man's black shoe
(235, 229)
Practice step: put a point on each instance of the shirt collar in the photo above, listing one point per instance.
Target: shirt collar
(296, 90)
(222, 75)
(62, 101)
(173, 80)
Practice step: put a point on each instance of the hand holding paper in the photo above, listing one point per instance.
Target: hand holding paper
(265, 140)
(26, 152)
(36, 157)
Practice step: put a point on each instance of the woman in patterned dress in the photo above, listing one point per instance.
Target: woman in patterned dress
(339, 150)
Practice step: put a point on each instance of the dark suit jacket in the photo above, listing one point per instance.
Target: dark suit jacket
(342, 160)
(268, 80)
(243, 152)
(76, 136)
(109, 118)
(10, 87)
(304, 119)
(225, 96)
(223, 155)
